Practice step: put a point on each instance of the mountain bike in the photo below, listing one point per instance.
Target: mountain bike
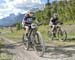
(34, 40)
(58, 33)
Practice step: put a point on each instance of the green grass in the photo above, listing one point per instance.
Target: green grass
(4, 55)
(1, 43)
(17, 35)
(69, 22)
(4, 30)
(44, 30)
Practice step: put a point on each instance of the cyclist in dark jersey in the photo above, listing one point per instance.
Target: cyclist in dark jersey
(53, 21)
(27, 21)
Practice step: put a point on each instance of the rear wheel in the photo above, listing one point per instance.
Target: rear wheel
(39, 45)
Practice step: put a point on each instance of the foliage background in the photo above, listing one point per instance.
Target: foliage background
(65, 10)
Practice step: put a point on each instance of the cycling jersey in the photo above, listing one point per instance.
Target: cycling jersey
(28, 19)
(54, 20)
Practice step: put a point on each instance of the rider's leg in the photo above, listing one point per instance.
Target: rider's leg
(53, 30)
(27, 30)
(52, 27)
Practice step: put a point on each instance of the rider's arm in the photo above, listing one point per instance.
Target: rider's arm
(50, 22)
(23, 21)
(36, 21)
(33, 17)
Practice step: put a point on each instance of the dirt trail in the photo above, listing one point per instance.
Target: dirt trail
(20, 52)
(58, 53)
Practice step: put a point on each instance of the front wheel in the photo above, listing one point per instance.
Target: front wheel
(62, 35)
(39, 45)
(50, 35)
(25, 42)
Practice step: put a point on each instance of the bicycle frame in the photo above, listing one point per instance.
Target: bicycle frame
(33, 31)
(57, 27)
(35, 41)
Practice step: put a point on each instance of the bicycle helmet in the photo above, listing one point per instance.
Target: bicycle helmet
(55, 14)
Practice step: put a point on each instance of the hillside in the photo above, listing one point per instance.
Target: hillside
(11, 20)
(65, 10)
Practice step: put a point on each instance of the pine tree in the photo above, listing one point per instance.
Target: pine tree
(48, 11)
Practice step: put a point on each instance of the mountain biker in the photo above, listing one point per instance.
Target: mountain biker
(53, 22)
(27, 21)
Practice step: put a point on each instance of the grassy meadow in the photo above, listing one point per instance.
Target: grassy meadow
(17, 35)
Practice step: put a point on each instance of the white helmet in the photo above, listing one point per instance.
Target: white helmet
(55, 14)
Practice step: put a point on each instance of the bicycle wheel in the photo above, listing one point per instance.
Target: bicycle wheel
(50, 35)
(25, 41)
(39, 45)
(62, 35)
